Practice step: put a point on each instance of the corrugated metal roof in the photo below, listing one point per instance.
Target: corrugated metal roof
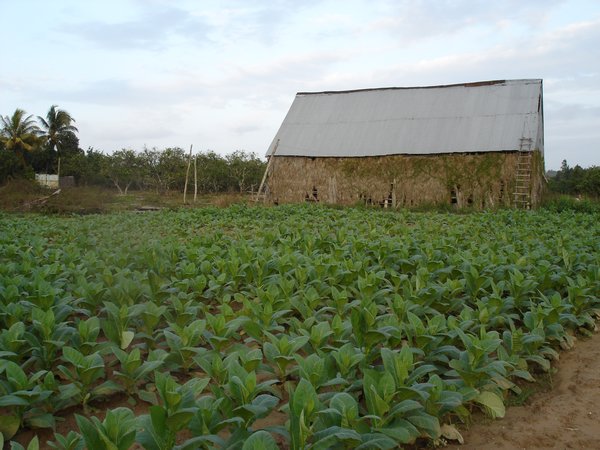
(473, 117)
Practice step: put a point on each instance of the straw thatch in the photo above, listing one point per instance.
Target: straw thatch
(478, 180)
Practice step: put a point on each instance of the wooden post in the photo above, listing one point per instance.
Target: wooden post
(264, 178)
(187, 174)
(195, 179)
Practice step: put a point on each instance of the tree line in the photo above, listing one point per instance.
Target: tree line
(576, 180)
(50, 144)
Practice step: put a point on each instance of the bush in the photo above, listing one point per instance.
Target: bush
(567, 203)
(11, 167)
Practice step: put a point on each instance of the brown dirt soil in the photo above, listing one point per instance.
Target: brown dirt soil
(565, 417)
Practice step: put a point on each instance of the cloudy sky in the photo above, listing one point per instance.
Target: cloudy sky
(222, 74)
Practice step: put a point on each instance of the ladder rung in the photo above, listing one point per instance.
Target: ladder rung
(522, 191)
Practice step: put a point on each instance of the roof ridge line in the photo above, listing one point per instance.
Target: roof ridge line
(470, 84)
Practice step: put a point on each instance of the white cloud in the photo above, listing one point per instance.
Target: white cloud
(152, 29)
(223, 74)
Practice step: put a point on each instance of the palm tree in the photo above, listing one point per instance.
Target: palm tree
(56, 128)
(19, 134)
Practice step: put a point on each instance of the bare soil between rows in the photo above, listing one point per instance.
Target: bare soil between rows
(564, 417)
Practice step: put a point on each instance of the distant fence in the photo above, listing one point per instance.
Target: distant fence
(68, 181)
(46, 180)
(52, 181)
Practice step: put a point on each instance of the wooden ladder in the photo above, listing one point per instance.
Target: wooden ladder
(522, 193)
(263, 188)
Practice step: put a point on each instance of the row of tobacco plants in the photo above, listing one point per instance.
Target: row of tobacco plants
(290, 327)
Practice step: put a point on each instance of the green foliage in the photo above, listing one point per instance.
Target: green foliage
(303, 408)
(116, 432)
(567, 203)
(11, 166)
(72, 441)
(134, 370)
(21, 399)
(260, 440)
(576, 181)
(19, 133)
(34, 444)
(350, 328)
(175, 408)
(83, 372)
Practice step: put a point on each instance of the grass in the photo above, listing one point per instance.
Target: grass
(28, 196)
(558, 203)
(25, 195)
(543, 383)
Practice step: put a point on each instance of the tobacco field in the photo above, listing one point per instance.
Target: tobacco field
(298, 327)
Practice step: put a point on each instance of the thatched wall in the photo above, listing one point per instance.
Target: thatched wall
(481, 180)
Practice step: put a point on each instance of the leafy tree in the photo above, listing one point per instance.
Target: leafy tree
(246, 169)
(213, 172)
(87, 167)
(576, 180)
(19, 134)
(58, 130)
(123, 168)
(591, 181)
(11, 166)
(164, 169)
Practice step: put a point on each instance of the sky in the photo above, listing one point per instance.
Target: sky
(221, 75)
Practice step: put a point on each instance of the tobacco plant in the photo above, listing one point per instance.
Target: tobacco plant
(116, 432)
(83, 372)
(379, 327)
(22, 400)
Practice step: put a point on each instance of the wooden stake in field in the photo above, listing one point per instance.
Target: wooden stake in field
(187, 174)
(195, 179)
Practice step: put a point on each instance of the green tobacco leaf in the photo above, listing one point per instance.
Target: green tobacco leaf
(9, 425)
(155, 434)
(109, 387)
(377, 441)
(492, 403)
(42, 421)
(90, 434)
(12, 400)
(34, 444)
(148, 397)
(346, 405)
(260, 440)
(126, 338)
(179, 420)
(15, 375)
(304, 398)
(398, 433)
(202, 442)
(430, 425)
(332, 437)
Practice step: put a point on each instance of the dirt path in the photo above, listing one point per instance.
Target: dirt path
(566, 417)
